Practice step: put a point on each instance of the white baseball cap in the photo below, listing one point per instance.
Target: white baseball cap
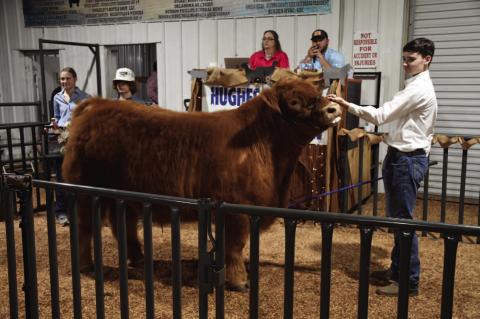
(124, 74)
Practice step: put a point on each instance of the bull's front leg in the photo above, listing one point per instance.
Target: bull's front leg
(236, 235)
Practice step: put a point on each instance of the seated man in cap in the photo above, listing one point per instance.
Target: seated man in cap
(319, 55)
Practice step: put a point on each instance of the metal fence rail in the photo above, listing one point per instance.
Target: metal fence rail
(23, 157)
(367, 225)
(211, 269)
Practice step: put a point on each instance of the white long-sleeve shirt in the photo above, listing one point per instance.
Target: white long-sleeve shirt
(409, 117)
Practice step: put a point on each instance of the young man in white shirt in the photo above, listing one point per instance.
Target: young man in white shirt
(410, 116)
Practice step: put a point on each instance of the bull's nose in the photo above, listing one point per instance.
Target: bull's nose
(331, 109)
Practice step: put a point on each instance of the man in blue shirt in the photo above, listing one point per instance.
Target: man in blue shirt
(319, 55)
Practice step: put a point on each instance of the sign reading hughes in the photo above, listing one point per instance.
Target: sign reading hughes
(75, 12)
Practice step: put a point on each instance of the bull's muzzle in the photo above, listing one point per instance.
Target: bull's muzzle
(332, 113)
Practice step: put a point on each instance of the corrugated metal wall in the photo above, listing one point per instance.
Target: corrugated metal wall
(454, 26)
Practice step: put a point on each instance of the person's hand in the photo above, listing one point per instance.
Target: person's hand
(339, 100)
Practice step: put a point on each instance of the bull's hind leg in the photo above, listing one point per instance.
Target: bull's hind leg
(134, 248)
(85, 234)
(236, 234)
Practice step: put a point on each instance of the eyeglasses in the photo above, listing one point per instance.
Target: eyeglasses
(268, 39)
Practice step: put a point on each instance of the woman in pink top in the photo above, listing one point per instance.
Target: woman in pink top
(271, 52)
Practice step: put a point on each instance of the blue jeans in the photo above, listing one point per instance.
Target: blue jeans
(402, 175)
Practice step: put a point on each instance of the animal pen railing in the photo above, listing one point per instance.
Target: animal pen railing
(211, 263)
(23, 150)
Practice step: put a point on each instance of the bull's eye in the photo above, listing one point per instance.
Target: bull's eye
(295, 105)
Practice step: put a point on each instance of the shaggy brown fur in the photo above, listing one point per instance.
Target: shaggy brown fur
(242, 156)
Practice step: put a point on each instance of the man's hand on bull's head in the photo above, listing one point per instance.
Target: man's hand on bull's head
(339, 100)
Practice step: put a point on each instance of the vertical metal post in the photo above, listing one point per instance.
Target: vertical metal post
(45, 112)
(148, 251)
(176, 264)
(449, 262)
(97, 251)
(23, 186)
(10, 149)
(405, 238)
(99, 75)
(203, 258)
(122, 256)
(444, 185)
(425, 195)
(220, 262)
(52, 254)
(290, 227)
(360, 174)
(254, 264)
(365, 252)
(75, 259)
(463, 179)
(375, 179)
(7, 204)
(326, 271)
(22, 149)
(36, 174)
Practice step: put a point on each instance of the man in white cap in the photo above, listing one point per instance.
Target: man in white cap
(124, 84)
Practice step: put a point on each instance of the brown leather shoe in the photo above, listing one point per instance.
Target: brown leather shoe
(392, 290)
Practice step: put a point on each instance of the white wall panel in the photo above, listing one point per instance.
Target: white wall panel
(304, 28)
(226, 40)
(246, 41)
(285, 27)
(190, 54)
(208, 45)
(173, 55)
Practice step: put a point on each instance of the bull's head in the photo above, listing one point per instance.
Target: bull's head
(299, 101)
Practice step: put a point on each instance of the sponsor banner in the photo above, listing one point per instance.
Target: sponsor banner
(220, 98)
(75, 12)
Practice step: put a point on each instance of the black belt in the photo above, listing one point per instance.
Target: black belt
(417, 152)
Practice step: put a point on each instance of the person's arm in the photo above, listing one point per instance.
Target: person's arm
(252, 62)
(283, 61)
(321, 58)
(403, 103)
(56, 107)
(152, 88)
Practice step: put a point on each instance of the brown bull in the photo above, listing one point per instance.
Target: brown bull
(244, 156)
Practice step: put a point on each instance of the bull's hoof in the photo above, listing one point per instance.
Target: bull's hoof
(137, 263)
(87, 268)
(240, 287)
